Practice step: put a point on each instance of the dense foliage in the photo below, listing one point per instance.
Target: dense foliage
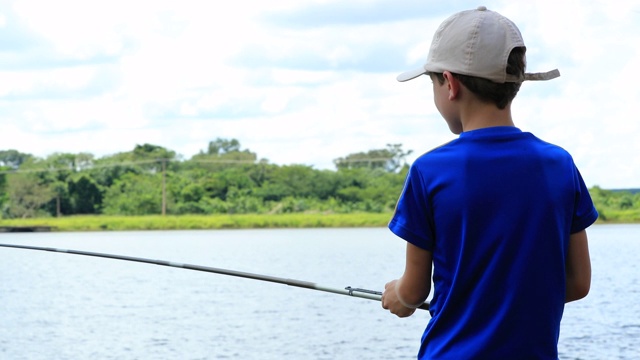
(617, 205)
(223, 179)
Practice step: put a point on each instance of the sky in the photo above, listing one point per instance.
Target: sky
(302, 81)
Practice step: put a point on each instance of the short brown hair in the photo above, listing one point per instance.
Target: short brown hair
(488, 91)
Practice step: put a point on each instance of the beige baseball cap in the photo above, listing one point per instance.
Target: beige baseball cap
(475, 43)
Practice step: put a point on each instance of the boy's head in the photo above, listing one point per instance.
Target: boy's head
(486, 53)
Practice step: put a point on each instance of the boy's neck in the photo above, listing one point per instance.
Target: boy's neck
(477, 115)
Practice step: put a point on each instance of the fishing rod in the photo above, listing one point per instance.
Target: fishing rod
(349, 291)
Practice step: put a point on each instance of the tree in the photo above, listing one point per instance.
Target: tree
(152, 152)
(60, 195)
(134, 194)
(55, 172)
(223, 146)
(13, 158)
(68, 161)
(85, 195)
(222, 154)
(143, 158)
(288, 180)
(225, 149)
(27, 195)
(390, 159)
(3, 189)
(146, 156)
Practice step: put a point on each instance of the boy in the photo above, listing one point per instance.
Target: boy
(499, 214)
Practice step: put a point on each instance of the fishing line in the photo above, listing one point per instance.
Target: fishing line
(349, 291)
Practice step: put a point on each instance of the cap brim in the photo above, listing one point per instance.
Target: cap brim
(411, 74)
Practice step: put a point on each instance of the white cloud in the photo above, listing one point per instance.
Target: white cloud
(103, 77)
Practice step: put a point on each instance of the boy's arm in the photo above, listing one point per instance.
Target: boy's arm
(578, 267)
(404, 295)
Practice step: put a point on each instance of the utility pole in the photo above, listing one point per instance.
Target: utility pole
(164, 187)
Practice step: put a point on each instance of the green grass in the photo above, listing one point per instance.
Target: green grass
(608, 215)
(201, 222)
(244, 221)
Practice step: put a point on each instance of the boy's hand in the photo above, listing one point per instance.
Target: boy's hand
(390, 301)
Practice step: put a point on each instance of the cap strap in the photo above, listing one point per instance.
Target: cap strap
(542, 76)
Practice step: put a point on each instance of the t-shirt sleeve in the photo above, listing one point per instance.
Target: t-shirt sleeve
(412, 220)
(585, 212)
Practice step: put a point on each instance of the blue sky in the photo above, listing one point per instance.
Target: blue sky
(301, 81)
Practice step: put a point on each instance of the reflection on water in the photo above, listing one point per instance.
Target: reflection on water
(57, 306)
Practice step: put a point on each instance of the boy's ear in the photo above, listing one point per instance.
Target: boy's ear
(453, 85)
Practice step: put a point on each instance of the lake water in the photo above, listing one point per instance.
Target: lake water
(60, 306)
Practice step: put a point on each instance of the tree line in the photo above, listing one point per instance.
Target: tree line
(224, 178)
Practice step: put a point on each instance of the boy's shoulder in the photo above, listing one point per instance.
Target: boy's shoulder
(435, 152)
(488, 140)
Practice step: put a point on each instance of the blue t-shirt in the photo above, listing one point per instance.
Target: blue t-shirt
(495, 207)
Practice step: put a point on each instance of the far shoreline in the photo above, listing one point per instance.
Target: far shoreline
(194, 222)
(205, 222)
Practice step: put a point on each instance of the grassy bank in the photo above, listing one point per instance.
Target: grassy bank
(616, 216)
(202, 222)
(240, 221)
